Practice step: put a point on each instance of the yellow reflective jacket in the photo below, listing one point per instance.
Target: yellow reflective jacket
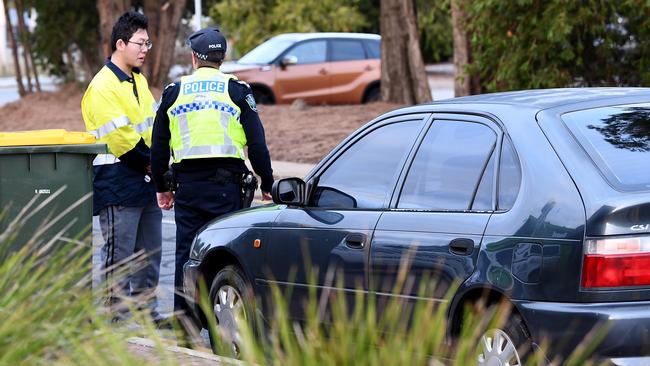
(114, 115)
(204, 121)
(117, 118)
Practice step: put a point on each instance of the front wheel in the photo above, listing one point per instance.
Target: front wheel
(232, 303)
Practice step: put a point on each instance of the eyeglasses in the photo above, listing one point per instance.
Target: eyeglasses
(143, 45)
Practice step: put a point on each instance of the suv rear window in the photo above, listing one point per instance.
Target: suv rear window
(347, 50)
(374, 49)
(617, 139)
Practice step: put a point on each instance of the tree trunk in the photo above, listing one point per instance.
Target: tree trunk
(164, 21)
(403, 78)
(23, 37)
(14, 49)
(34, 71)
(464, 83)
(109, 11)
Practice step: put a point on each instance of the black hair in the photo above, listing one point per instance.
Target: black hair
(129, 23)
(211, 63)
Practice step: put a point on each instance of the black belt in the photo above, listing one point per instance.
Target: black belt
(225, 176)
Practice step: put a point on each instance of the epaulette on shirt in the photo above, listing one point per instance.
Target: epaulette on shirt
(170, 85)
(242, 82)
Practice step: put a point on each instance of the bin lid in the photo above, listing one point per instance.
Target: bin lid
(45, 137)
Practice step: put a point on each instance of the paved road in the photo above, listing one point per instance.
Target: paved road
(9, 90)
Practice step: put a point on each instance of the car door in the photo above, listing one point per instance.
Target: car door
(439, 212)
(325, 246)
(308, 78)
(349, 70)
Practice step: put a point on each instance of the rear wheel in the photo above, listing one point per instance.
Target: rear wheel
(373, 94)
(232, 303)
(507, 345)
(262, 96)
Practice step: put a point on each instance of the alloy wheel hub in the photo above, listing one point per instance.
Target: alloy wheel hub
(229, 310)
(497, 349)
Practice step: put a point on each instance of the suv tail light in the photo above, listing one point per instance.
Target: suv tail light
(616, 262)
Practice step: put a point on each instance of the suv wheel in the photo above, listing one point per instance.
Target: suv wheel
(232, 303)
(262, 96)
(373, 94)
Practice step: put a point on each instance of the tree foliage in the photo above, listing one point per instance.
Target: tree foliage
(250, 22)
(553, 43)
(62, 29)
(434, 23)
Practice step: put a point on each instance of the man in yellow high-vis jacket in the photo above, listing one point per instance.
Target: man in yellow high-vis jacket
(206, 119)
(118, 109)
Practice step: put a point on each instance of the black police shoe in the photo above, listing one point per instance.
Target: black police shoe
(161, 321)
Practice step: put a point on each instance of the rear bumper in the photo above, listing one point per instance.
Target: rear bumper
(624, 328)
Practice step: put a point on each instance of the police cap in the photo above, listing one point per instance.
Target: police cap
(208, 44)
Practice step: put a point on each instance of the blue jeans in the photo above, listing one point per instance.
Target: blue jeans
(129, 231)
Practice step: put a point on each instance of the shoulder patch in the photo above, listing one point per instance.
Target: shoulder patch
(251, 102)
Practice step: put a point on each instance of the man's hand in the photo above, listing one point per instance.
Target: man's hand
(266, 196)
(165, 200)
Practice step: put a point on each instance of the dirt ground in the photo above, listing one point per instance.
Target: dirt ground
(293, 134)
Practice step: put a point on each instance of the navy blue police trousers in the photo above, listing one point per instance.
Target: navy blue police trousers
(196, 204)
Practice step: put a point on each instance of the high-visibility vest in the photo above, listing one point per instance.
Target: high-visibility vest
(204, 121)
(114, 115)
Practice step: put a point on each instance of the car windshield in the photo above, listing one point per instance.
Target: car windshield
(617, 139)
(267, 52)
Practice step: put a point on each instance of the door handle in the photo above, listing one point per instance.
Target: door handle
(355, 240)
(461, 246)
(322, 71)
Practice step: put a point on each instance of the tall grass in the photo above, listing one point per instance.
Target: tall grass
(49, 312)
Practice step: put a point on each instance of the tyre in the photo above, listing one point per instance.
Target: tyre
(262, 96)
(232, 303)
(509, 344)
(372, 95)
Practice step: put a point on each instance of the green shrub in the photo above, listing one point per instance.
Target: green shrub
(528, 44)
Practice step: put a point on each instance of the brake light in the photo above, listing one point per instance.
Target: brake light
(616, 262)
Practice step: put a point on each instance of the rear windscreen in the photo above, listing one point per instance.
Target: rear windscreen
(617, 139)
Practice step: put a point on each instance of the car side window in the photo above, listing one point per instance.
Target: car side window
(347, 50)
(362, 176)
(448, 166)
(310, 52)
(483, 198)
(509, 176)
(374, 49)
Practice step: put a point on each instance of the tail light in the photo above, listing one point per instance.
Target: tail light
(616, 262)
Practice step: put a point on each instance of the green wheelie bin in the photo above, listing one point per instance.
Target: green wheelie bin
(46, 187)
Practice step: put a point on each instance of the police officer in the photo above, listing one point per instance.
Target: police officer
(118, 109)
(206, 119)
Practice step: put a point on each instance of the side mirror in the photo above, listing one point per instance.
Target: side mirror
(289, 191)
(288, 60)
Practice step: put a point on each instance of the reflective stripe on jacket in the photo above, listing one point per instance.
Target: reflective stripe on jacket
(204, 121)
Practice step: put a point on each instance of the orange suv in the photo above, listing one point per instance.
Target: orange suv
(331, 68)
